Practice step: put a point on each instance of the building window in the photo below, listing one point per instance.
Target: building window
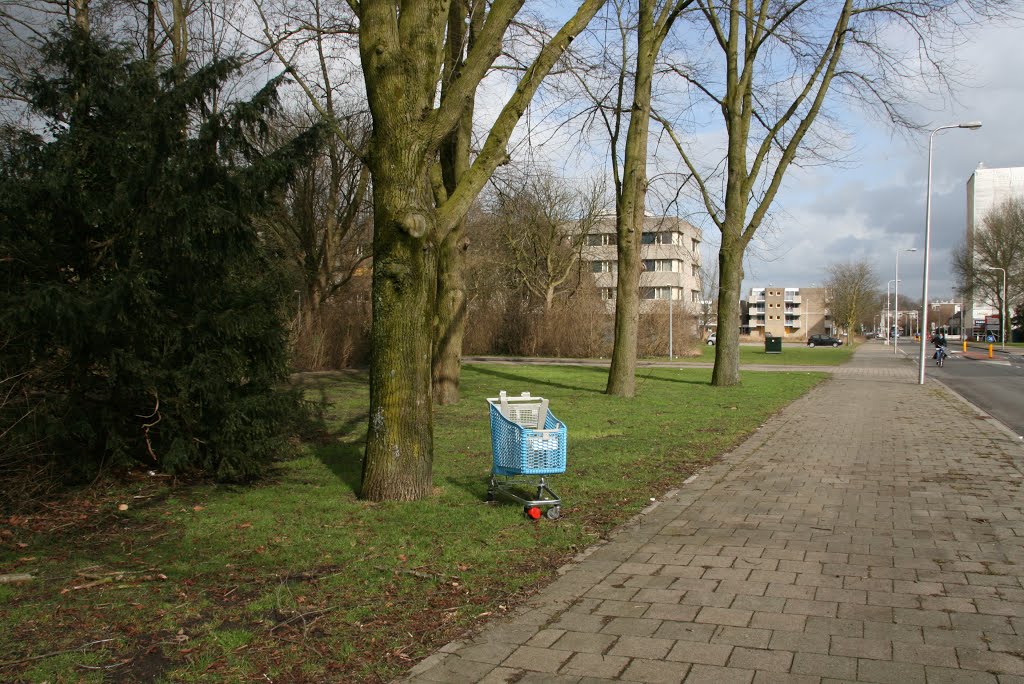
(604, 266)
(654, 239)
(597, 267)
(655, 292)
(694, 296)
(694, 242)
(659, 265)
(608, 293)
(694, 270)
(600, 240)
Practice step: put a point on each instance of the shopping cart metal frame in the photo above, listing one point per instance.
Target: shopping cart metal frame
(528, 443)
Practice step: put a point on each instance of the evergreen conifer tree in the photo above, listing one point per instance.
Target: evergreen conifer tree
(142, 307)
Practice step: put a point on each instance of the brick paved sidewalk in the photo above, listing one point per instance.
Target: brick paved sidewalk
(870, 532)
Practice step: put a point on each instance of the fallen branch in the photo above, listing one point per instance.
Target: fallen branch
(110, 577)
(416, 573)
(301, 616)
(15, 578)
(53, 653)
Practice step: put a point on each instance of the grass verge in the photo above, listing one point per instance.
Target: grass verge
(295, 579)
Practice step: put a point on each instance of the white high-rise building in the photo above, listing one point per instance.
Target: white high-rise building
(986, 190)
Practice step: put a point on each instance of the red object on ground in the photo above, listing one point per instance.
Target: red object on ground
(533, 512)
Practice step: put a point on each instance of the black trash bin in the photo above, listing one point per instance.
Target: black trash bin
(772, 345)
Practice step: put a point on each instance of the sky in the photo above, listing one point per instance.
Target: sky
(875, 205)
(872, 205)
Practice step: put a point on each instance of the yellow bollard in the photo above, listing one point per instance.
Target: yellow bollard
(965, 346)
(990, 351)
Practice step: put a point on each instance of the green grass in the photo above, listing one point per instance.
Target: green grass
(295, 578)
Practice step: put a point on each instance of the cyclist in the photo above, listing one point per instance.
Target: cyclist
(939, 340)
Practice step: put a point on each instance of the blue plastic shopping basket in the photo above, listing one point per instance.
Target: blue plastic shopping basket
(526, 440)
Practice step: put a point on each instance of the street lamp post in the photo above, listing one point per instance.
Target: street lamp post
(888, 312)
(896, 343)
(972, 125)
(1002, 309)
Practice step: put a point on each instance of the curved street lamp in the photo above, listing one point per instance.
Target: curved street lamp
(970, 125)
(896, 342)
(1003, 310)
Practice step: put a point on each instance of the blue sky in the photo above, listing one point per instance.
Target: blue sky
(873, 203)
(876, 204)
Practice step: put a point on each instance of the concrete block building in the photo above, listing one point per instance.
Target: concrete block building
(788, 312)
(670, 250)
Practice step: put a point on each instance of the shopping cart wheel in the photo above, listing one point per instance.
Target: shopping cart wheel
(490, 495)
(553, 513)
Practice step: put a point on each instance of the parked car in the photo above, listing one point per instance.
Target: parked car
(823, 341)
(712, 339)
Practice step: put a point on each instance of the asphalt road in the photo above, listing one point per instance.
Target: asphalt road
(995, 387)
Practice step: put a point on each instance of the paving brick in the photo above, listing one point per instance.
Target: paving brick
(837, 667)
(537, 659)
(742, 636)
(761, 659)
(783, 678)
(925, 618)
(685, 631)
(655, 672)
(708, 598)
(581, 642)
(621, 609)
(990, 661)
(800, 642)
(937, 636)
(695, 652)
(824, 625)
(886, 672)
(709, 674)
(818, 608)
(939, 656)
(632, 626)
(767, 604)
(945, 675)
(724, 616)
(594, 665)
(678, 613)
(642, 647)
(878, 649)
(777, 621)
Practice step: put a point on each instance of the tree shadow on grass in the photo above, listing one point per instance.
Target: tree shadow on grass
(342, 454)
(517, 378)
(663, 378)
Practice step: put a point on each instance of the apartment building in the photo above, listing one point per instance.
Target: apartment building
(670, 250)
(987, 189)
(788, 312)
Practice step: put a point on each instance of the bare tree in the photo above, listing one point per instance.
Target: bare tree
(852, 291)
(997, 248)
(544, 222)
(767, 67)
(619, 84)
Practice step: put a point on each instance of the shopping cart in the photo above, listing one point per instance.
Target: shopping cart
(527, 441)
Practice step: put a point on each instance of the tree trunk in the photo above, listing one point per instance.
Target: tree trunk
(622, 373)
(629, 213)
(451, 316)
(399, 442)
(727, 345)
